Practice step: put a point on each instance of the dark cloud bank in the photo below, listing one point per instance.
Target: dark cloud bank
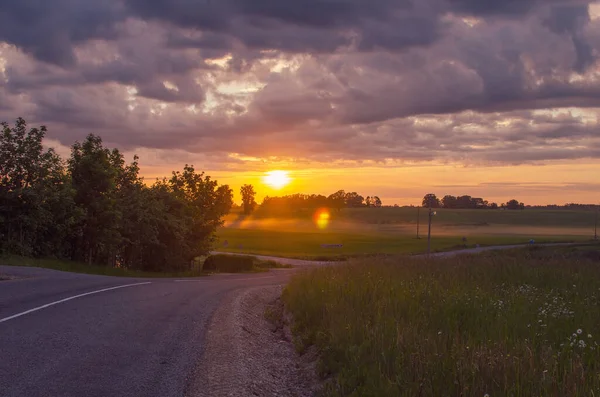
(465, 80)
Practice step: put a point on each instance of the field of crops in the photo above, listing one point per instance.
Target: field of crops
(394, 230)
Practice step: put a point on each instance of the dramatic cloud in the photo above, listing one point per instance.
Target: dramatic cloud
(323, 81)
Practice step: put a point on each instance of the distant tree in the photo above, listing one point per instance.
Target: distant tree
(377, 202)
(493, 206)
(431, 201)
(478, 203)
(354, 200)
(449, 201)
(248, 194)
(337, 200)
(515, 205)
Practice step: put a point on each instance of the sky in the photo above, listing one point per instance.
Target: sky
(395, 98)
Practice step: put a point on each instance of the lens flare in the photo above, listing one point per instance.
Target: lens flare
(322, 219)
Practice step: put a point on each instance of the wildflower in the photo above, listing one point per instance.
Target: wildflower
(579, 331)
(439, 332)
(590, 336)
(582, 343)
(486, 395)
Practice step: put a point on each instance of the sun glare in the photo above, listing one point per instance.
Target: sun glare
(277, 179)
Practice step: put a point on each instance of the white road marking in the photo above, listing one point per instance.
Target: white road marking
(68, 299)
(231, 279)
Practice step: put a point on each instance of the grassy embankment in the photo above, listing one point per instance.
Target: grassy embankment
(393, 231)
(198, 271)
(520, 323)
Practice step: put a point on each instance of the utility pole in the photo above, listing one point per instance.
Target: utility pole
(431, 214)
(596, 225)
(418, 220)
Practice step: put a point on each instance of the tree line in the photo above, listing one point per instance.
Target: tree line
(297, 202)
(467, 202)
(95, 208)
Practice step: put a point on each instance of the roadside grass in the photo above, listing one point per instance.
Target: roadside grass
(77, 267)
(259, 266)
(309, 244)
(516, 323)
(223, 263)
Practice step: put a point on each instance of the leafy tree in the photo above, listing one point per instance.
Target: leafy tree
(94, 172)
(98, 209)
(248, 194)
(204, 204)
(337, 200)
(354, 200)
(431, 201)
(449, 201)
(376, 201)
(515, 205)
(34, 193)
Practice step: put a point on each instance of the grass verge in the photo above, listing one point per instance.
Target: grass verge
(223, 263)
(77, 267)
(520, 323)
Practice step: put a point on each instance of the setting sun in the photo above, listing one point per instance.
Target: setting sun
(277, 179)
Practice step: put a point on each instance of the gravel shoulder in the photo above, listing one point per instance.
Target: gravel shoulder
(248, 355)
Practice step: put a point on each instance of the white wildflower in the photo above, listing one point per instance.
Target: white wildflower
(579, 331)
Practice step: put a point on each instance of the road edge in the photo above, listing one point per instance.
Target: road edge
(245, 354)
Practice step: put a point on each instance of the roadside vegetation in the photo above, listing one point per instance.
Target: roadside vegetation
(223, 263)
(78, 267)
(94, 208)
(516, 323)
(201, 266)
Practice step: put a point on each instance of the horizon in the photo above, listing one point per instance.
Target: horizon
(497, 100)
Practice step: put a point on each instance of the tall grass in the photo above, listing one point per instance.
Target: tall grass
(518, 323)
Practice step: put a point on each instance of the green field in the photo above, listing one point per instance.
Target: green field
(393, 231)
(515, 323)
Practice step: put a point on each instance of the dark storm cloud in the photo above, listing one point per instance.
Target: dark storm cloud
(49, 29)
(324, 80)
(569, 19)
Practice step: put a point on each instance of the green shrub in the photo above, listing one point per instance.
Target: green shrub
(229, 263)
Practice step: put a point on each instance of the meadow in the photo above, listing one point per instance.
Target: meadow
(367, 231)
(517, 323)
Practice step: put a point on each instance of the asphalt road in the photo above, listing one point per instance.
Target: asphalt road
(59, 336)
(65, 334)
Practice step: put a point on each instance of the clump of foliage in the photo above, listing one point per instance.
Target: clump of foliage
(499, 324)
(238, 264)
(229, 263)
(95, 208)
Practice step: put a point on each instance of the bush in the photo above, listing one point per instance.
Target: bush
(229, 263)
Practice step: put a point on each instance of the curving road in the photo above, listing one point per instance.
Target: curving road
(65, 334)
